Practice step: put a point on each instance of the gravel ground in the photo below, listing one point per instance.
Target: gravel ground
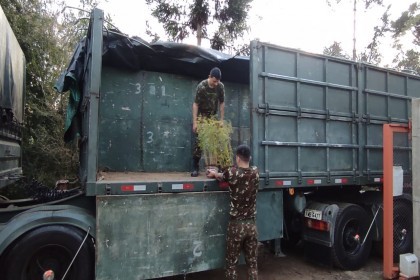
(293, 266)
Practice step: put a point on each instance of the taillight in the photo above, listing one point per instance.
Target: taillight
(317, 224)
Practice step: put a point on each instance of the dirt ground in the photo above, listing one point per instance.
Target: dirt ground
(294, 267)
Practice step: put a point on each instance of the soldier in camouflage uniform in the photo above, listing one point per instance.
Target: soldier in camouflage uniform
(242, 231)
(210, 95)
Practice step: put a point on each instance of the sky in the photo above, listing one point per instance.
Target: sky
(309, 25)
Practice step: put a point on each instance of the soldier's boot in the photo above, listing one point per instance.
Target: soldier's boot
(196, 162)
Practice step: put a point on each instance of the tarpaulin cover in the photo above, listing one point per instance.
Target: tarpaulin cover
(135, 54)
(12, 74)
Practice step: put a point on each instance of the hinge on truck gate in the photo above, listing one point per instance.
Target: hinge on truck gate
(299, 112)
(328, 116)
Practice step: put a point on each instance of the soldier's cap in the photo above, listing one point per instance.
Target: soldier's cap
(215, 72)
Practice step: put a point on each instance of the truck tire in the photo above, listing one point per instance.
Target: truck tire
(350, 230)
(51, 247)
(403, 229)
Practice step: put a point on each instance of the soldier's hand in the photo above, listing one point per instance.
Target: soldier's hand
(211, 173)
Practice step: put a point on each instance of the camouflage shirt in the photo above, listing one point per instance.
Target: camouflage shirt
(207, 98)
(243, 188)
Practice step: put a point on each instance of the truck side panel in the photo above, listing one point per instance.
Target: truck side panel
(317, 120)
(167, 234)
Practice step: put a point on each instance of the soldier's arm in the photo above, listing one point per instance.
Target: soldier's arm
(195, 112)
(222, 110)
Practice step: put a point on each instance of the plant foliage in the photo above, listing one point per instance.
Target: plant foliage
(214, 138)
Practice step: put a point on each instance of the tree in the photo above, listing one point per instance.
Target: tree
(180, 19)
(407, 25)
(47, 38)
(336, 50)
(367, 3)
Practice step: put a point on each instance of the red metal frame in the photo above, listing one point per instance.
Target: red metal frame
(390, 271)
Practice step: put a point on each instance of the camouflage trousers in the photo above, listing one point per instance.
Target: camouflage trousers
(196, 153)
(241, 235)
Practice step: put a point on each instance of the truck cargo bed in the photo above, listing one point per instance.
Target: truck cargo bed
(154, 182)
(150, 177)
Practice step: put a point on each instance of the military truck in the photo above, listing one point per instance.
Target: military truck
(314, 124)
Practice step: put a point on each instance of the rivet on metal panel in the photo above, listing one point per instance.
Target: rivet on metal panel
(108, 190)
(159, 187)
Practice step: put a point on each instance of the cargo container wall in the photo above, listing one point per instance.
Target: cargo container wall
(12, 87)
(318, 119)
(146, 120)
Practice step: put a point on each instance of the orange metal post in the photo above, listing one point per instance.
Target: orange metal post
(390, 272)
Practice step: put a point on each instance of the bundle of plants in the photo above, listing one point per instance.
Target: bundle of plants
(214, 139)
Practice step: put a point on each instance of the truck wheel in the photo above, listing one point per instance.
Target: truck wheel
(351, 227)
(51, 247)
(403, 229)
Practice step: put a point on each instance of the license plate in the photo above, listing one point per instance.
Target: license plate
(313, 214)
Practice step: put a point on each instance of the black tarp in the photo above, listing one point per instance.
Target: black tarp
(169, 57)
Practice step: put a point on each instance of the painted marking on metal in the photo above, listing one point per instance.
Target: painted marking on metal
(188, 186)
(314, 181)
(378, 180)
(182, 186)
(283, 183)
(341, 181)
(139, 187)
(133, 188)
(177, 186)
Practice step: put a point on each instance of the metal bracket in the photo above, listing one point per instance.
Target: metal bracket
(267, 177)
(367, 118)
(328, 116)
(300, 177)
(299, 112)
(266, 109)
(354, 117)
(107, 190)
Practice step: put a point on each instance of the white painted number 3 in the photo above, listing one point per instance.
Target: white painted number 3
(150, 137)
(138, 88)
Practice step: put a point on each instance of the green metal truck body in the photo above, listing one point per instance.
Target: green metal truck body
(313, 122)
